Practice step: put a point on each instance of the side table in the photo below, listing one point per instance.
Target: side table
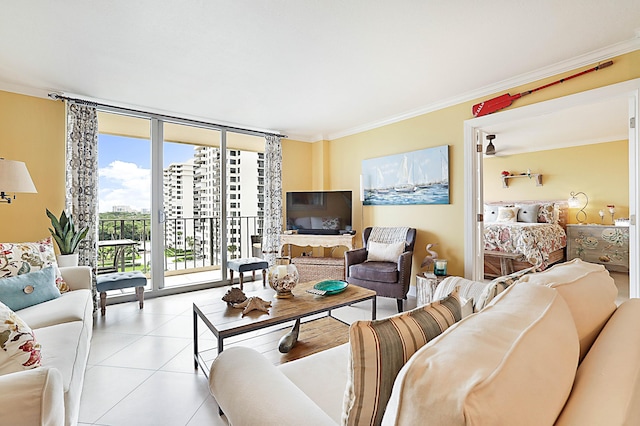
(426, 287)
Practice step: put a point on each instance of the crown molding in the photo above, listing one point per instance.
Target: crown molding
(608, 52)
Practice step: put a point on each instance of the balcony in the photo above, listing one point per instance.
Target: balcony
(193, 251)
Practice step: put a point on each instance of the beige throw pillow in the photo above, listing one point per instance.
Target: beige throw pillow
(507, 214)
(379, 349)
(589, 291)
(381, 252)
(512, 364)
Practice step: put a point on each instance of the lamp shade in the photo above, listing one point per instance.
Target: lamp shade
(14, 177)
(573, 202)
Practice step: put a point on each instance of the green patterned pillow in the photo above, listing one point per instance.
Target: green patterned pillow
(379, 349)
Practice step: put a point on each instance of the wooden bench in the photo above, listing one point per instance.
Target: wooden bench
(498, 263)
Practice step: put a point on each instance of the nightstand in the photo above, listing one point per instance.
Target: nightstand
(607, 245)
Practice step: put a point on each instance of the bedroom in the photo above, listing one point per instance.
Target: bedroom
(590, 160)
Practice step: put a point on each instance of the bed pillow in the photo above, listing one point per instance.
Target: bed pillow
(21, 258)
(381, 252)
(528, 213)
(26, 290)
(380, 348)
(19, 348)
(507, 214)
(490, 213)
(548, 213)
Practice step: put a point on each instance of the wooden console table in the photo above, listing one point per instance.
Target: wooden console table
(304, 240)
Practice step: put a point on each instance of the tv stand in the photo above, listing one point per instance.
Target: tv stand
(304, 240)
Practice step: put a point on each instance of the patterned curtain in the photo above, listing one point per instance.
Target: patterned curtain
(272, 198)
(82, 180)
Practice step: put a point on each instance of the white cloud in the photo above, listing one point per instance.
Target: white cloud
(124, 184)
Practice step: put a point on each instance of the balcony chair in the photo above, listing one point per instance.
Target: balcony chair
(374, 267)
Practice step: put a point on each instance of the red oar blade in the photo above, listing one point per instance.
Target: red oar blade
(493, 105)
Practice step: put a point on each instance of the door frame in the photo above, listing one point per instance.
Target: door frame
(473, 191)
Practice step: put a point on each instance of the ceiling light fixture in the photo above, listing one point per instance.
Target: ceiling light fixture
(491, 150)
(14, 177)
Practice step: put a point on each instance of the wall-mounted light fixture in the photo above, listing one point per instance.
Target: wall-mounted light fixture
(14, 177)
(574, 203)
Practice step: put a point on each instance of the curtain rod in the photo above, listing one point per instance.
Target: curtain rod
(58, 96)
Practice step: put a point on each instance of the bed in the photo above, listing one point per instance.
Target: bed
(518, 235)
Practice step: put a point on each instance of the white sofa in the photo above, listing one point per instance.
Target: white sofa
(551, 349)
(50, 394)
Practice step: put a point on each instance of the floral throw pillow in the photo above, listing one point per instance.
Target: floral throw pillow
(22, 258)
(547, 213)
(19, 349)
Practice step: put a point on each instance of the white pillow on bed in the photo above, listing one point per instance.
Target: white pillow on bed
(490, 213)
(528, 213)
(507, 214)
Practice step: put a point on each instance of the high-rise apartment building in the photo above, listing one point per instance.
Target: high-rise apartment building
(179, 206)
(193, 204)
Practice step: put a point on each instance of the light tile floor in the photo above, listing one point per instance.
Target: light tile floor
(141, 370)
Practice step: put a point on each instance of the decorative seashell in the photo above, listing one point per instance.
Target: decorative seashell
(234, 295)
(253, 303)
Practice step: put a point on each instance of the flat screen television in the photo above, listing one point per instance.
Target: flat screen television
(319, 212)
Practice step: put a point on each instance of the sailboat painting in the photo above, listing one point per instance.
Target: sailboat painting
(416, 177)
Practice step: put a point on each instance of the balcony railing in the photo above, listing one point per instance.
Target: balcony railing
(190, 244)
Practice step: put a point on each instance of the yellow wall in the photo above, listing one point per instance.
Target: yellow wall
(436, 223)
(597, 170)
(32, 131)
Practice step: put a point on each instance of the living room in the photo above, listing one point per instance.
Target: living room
(32, 130)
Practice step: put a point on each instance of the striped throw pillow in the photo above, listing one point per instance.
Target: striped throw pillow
(379, 349)
(500, 284)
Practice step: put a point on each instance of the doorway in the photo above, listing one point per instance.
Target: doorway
(474, 130)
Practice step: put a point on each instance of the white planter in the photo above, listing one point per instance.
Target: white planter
(65, 260)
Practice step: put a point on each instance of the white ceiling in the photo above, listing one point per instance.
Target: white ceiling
(312, 69)
(597, 122)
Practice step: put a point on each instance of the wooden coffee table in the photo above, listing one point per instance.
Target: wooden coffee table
(224, 321)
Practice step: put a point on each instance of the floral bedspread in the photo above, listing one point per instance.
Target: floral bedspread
(533, 240)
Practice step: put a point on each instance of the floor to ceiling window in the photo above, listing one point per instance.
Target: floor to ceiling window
(177, 200)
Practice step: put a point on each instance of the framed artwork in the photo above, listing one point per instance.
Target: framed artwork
(416, 177)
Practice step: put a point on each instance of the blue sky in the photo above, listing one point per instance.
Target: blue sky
(124, 169)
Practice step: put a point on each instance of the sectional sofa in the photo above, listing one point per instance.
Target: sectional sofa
(553, 348)
(50, 394)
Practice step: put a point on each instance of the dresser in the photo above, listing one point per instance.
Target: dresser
(604, 244)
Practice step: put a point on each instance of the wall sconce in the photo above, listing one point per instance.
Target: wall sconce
(574, 203)
(14, 177)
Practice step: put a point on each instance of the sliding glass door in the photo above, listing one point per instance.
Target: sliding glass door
(191, 197)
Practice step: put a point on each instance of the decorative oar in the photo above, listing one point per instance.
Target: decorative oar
(503, 101)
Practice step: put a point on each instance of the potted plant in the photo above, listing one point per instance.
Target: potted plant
(67, 238)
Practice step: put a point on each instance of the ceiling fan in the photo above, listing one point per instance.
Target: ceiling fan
(491, 149)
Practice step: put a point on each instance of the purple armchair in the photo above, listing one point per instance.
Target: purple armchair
(388, 279)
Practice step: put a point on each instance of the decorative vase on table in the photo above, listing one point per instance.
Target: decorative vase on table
(283, 278)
